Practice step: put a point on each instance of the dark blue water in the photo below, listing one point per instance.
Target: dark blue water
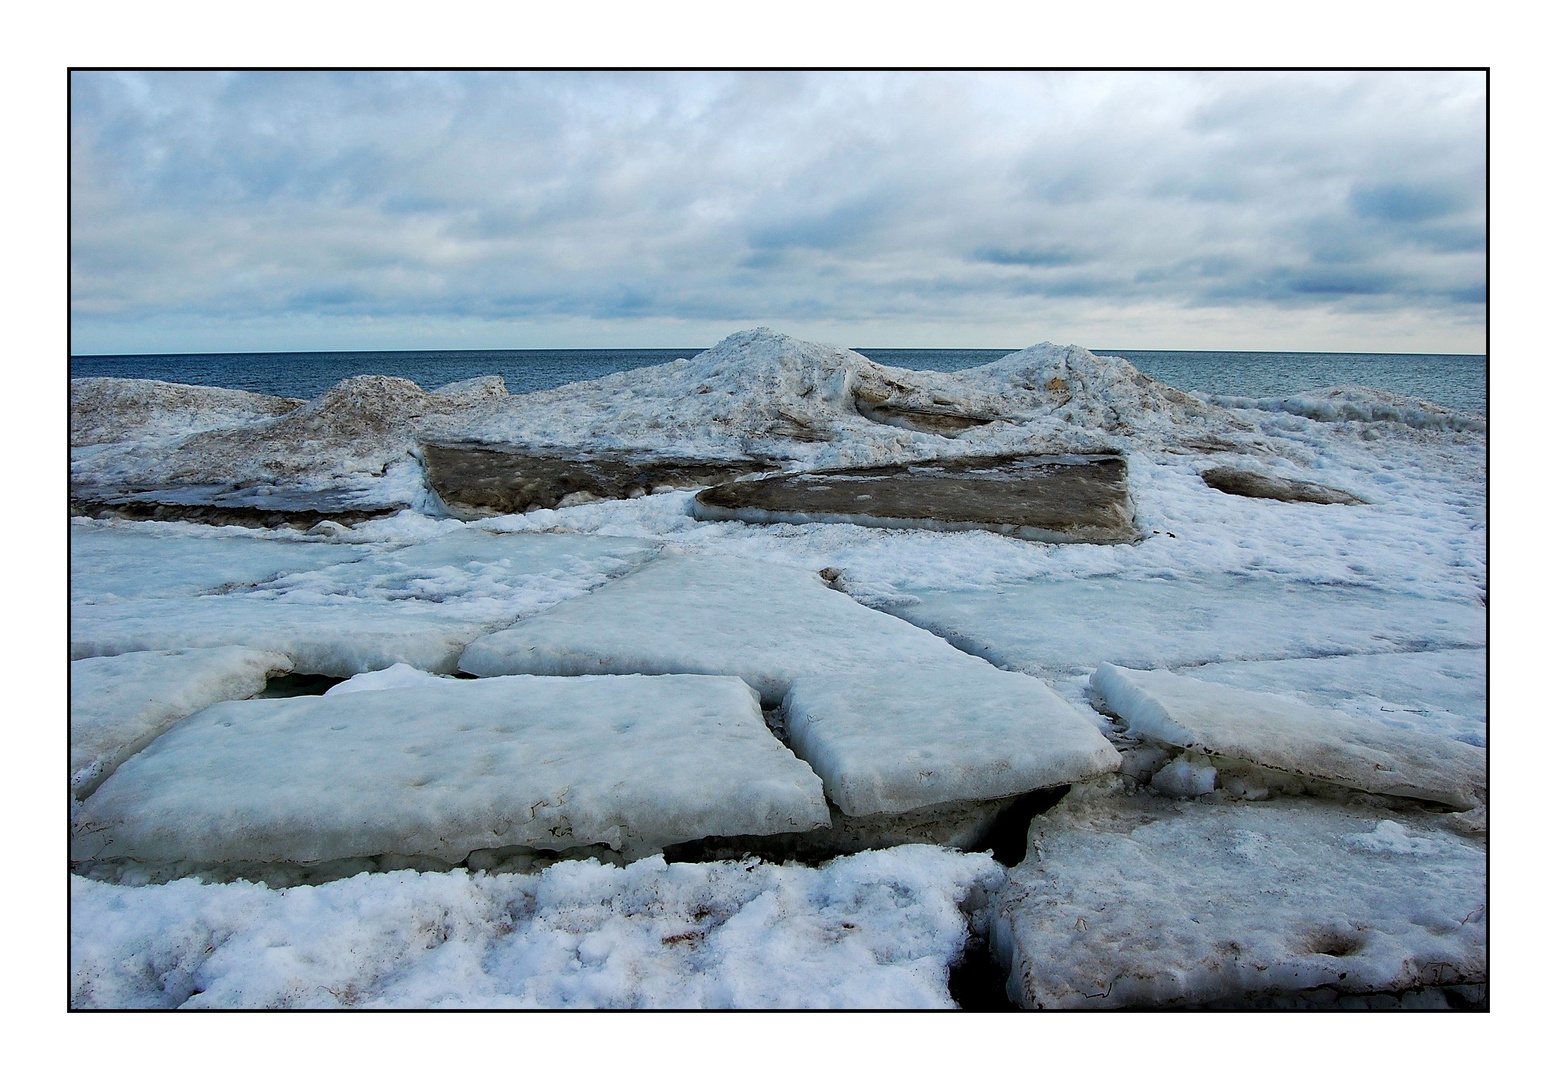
(1460, 382)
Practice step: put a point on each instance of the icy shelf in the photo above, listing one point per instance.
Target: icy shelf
(1052, 499)
(441, 770)
(1287, 736)
(1141, 902)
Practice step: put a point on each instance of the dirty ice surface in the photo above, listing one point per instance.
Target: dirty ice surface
(1376, 611)
(1133, 902)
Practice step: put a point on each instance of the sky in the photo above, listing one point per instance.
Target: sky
(258, 211)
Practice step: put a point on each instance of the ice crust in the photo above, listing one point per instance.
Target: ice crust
(119, 704)
(874, 930)
(1288, 736)
(891, 717)
(891, 742)
(442, 770)
(1141, 902)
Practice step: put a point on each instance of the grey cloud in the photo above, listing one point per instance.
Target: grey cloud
(623, 197)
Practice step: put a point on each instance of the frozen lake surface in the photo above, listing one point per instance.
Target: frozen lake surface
(547, 713)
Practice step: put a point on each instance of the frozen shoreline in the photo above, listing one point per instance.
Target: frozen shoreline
(1344, 607)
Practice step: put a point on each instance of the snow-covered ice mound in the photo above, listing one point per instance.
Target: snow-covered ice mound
(119, 704)
(441, 770)
(875, 930)
(1141, 902)
(892, 718)
(104, 410)
(1277, 733)
(892, 741)
(755, 394)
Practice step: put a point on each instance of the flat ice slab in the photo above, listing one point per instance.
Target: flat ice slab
(1141, 902)
(875, 930)
(119, 704)
(888, 742)
(713, 615)
(1288, 736)
(1071, 626)
(443, 770)
(1057, 500)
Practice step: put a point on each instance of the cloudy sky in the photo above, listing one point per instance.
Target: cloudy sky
(258, 211)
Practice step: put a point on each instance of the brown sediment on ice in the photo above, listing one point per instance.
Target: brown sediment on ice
(1055, 499)
(1255, 485)
(481, 480)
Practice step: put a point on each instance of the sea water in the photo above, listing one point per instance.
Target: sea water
(1456, 381)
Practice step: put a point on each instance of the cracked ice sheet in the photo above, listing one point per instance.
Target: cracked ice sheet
(453, 766)
(119, 704)
(875, 930)
(765, 623)
(410, 591)
(1141, 902)
(1277, 732)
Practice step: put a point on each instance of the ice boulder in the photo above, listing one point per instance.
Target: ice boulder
(1288, 736)
(439, 771)
(119, 704)
(887, 743)
(1140, 902)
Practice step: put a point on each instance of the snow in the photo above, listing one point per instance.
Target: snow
(390, 678)
(1141, 902)
(119, 704)
(1282, 734)
(441, 770)
(874, 930)
(891, 742)
(717, 616)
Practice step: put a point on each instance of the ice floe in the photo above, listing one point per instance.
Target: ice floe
(119, 704)
(874, 930)
(441, 770)
(1137, 901)
(1277, 733)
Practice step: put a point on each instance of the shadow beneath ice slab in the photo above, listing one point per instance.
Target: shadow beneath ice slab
(978, 982)
(298, 685)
